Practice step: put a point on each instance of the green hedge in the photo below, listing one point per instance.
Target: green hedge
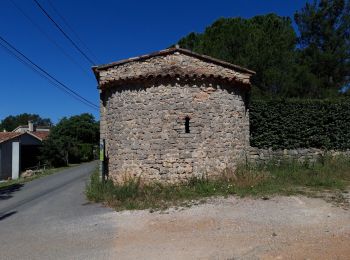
(289, 124)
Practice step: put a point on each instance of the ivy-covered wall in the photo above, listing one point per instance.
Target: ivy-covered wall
(290, 124)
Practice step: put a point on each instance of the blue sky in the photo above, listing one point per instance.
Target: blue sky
(112, 30)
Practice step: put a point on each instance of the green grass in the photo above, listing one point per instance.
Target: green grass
(286, 178)
(36, 176)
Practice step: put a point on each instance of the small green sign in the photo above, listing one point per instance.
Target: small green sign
(102, 151)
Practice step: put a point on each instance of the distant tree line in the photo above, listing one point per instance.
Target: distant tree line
(312, 62)
(11, 122)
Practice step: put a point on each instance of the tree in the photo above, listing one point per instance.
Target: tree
(11, 122)
(72, 140)
(264, 43)
(324, 27)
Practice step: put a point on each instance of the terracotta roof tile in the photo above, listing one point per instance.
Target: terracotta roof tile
(4, 136)
(177, 63)
(41, 134)
(170, 51)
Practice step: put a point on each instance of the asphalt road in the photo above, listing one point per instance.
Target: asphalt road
(49, 218)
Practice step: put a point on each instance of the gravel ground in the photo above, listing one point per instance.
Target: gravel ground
(280, 228)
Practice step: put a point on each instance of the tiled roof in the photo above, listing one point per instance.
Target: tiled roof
(174, 63)
(4, 136)
(41, 134)
(170, 51)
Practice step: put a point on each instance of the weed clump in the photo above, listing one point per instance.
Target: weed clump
(284, 177)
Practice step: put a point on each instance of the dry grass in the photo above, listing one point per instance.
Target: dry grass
(286, 178)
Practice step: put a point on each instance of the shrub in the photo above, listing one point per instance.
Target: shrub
(289, 124)
(72, 140)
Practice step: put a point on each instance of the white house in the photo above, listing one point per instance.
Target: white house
(19, 150)
(31, 128)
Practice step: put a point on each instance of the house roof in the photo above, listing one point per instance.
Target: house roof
(170, 51)
(27, 127)
(5, 136)
(173, 62)
(42, 135)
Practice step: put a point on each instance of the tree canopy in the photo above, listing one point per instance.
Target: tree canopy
(324, 27)
(11, 122)
(72, 140)
(265, 44)
(314, 64)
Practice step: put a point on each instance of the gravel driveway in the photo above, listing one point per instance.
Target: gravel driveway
(233, 228)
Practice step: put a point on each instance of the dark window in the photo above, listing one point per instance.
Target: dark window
(187, 124)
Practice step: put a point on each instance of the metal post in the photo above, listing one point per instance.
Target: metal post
(102, 159)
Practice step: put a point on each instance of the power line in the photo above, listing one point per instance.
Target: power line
(72, 30)
(43, 73)
(46, 75)
(50, 38)
(62, 31)
(36, 67)
(8, 50)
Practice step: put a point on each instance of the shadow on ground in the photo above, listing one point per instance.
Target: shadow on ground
(6, 215)
(7, 192)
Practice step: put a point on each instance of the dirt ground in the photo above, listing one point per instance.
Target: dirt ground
(294, 227)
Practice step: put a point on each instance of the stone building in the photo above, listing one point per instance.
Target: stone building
(172, 115)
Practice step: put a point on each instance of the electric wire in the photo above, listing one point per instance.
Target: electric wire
(25, 60)
(63, 32)
(8, 50)
(72, 30)
(50, 38)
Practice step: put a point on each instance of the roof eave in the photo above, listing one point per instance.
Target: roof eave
(37, 137)
(97, 69)
(19, 135)
(244, 85)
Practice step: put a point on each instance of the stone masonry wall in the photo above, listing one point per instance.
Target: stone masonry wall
(144, 129)
(259, 156)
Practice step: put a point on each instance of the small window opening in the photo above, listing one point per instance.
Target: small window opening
(187, 124)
